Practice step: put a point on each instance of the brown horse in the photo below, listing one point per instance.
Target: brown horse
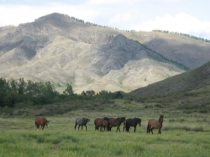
(41, 121)
(101, 123)
(115, 122)
(155, 124)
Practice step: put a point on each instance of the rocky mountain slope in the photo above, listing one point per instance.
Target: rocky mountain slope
(62, 49)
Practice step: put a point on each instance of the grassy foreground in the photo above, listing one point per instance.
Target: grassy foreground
(19, 137)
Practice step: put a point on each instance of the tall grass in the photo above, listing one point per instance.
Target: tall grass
(19, 137)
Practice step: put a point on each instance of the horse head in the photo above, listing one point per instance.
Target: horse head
(161, 119)
(123, 120)
(46, 122)
(88, 121)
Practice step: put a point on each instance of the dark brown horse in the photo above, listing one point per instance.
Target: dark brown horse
(155, 124)
(41, 121)
(101, 123)
(132, 122)
(115, 122)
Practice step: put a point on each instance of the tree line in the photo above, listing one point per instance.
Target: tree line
(187, 35)
(13, 92)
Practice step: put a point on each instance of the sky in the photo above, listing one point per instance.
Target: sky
(183, 16)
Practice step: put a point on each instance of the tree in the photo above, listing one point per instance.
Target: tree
(68, 91)
(90, 93)
(21, 86)
(118, 95)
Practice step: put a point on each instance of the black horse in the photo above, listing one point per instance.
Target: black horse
(132, 122)
(115, 122)
(81, 122)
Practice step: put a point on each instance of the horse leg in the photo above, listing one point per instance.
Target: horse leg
(151, 130)
(159, 132)
(134, 129)
(127, 128)
(108, 128)
(78, 127)
(118, 128)
(37, 126)
(75, 126)
(86, 127)
(148, 128)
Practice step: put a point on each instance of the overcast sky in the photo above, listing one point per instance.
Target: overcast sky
(183, 16)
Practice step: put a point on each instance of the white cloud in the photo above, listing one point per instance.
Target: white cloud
(181, 22)
(120, 14)
(14, 15)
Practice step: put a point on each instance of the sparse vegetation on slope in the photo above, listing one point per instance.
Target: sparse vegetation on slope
(63, 49)
(187, 81)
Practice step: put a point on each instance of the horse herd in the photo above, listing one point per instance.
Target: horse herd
(107, 123)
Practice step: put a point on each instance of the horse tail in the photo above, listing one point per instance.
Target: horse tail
(75, 125)
(108, 126)
(148, 128)
(127, 127)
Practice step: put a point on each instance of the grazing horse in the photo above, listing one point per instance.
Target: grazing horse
(132, 123)
(115, 122)
(41, 121)
(81, 122)
(155, 124)
(101, 123)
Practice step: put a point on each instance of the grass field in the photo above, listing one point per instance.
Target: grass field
(187, 136)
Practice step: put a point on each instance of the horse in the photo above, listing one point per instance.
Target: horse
(98, 123)
(101, 123)
(81, 122)
(41, 121)
(106, 125)
(155, 124)
(132, 122)
(115, 122)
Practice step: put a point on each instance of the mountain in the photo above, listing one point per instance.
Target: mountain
(181, 48)
(188, 81)
(64, 49)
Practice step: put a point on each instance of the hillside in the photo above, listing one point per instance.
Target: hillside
(62, 49)
(192, 80)
(187, 51)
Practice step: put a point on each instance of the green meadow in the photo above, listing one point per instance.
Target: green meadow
(182, 135)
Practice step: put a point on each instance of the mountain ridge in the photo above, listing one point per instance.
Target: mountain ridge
(64, 50)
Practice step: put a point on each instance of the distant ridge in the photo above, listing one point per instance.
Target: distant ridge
(184, 34)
